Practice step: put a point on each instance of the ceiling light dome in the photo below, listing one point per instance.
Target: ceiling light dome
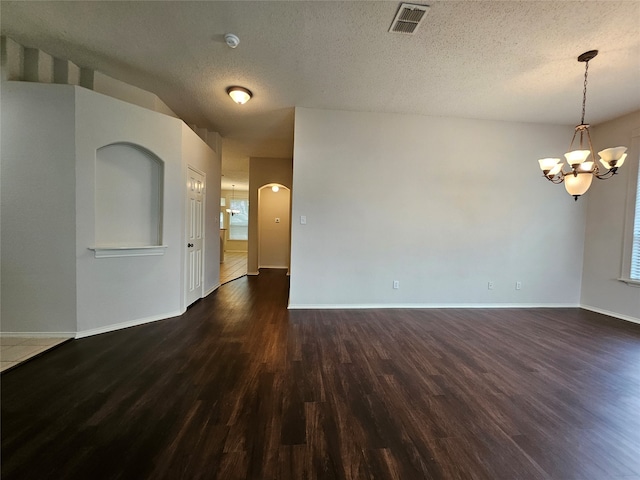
(240, 95)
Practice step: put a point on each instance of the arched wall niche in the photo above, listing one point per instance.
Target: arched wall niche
(129, 183)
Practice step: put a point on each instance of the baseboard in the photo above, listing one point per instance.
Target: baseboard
(122, 325)
(39, 334)
(278, 267)
(294, 306)
(211, 290)
(253, 273)
(611, 314)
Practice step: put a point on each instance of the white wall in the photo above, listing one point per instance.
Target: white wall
(442, 205)
(38, 209)
(609, 220)
(34, 65)
(129, 93)
(11, 59)
(131, 289)
(51, 281)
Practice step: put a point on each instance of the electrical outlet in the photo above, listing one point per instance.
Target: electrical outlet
(518, 285)
(490, 285)
(396, 284)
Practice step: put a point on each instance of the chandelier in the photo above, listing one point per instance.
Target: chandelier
(233, 211)
(582, 169)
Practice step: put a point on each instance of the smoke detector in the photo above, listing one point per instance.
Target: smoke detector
(232, 40)
(408, 18)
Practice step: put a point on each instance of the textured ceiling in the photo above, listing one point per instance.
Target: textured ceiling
(502, 60)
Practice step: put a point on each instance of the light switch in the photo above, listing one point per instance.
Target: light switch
(303, 219)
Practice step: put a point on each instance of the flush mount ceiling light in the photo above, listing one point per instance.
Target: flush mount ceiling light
(578, 179)
(240, 95)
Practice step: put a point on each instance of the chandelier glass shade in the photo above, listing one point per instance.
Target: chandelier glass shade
(582, 160)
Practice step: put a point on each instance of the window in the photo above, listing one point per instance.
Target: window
(635, 249)
(239, 222)
(223, 203)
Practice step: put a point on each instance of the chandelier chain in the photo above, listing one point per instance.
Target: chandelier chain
(584, 92)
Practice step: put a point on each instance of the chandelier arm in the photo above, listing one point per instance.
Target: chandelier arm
(593, 155)
(604, 176)
(557, 179)
(573, 138)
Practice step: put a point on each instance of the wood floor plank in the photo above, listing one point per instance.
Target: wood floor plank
(241, 388)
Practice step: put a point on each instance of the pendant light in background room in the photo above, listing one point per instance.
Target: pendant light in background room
(233, 211)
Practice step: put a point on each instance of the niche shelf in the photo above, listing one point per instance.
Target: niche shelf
(143, 251)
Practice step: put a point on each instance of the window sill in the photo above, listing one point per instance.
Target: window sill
(630, 282)
(140, 251)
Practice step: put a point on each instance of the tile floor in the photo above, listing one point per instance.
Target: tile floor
(234, 266)
(15, 350)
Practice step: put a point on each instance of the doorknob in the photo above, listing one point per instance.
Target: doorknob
(189, 245)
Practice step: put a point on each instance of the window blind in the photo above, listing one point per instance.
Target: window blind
(635, 252)
(239, 222)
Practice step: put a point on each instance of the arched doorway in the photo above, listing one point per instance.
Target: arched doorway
(274, 226)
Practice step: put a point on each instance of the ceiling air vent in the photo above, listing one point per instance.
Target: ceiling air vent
(408, 18)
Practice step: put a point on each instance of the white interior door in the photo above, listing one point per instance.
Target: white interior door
(195, 236)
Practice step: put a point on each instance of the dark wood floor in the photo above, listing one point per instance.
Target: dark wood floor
(240, 388)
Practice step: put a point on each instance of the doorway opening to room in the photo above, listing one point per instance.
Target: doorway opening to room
(234, 233)
(274, 226)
